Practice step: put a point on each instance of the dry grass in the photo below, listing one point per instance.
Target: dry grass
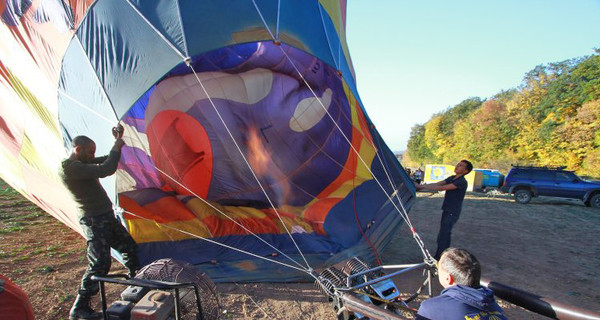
(548, 247)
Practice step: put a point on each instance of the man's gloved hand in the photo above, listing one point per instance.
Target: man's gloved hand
(118, 131)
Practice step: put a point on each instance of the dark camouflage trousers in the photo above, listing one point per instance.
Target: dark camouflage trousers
(103, 232)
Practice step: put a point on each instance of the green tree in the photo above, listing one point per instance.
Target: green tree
(417, 149)
(552, 118)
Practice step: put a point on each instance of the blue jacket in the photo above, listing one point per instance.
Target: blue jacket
(461, 303)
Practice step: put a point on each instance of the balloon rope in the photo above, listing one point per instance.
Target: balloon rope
(216, 209)
(162, 36)
(343, 134)
(221, 212)
(391, 181)
(378, 155)
(248, 164)
(221, 244)
(340, 49)
(97, 79)
(337, 63)
(66, 95)
(245, 292)
(295, 185)
(276, 38)
(184, 42)
(362, 232)
(263, 19)
(278, 14)
(403, 213)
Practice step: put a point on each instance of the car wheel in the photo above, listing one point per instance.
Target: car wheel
(523, 196)
(595, 201)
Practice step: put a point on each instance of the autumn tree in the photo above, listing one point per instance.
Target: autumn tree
(552, 118)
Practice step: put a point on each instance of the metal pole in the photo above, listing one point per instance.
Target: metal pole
(391, 275)
(368, 310)
(538, 304)
(103, 298)
(198, 303)
(177, 311)
(429, 277)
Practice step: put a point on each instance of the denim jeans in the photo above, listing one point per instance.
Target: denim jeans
(443, 238)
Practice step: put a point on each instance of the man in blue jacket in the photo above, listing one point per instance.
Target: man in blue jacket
(459, 272)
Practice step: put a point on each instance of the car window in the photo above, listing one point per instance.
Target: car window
(564, 176)
(542, 175)
(520, 174)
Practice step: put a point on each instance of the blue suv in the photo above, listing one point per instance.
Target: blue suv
(527, 182)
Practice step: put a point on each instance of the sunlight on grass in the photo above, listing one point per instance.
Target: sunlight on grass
(21, 258)
(8, 191)
(11, 229)
(52, 248)
(66, 298)
(45, 269)
(5, 254)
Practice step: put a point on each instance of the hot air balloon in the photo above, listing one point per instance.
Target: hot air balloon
(248, 151)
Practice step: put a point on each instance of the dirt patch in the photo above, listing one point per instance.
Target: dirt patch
(548, 247)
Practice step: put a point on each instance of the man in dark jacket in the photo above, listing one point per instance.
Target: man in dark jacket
(80, 173)
(459, 272)
(455, 187)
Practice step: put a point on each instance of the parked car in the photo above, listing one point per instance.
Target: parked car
(526, 182)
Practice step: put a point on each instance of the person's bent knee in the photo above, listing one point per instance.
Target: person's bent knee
(100, 268)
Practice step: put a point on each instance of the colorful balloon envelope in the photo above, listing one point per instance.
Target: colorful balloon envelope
(248, 151)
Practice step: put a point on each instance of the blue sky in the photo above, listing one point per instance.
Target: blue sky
(416, 58)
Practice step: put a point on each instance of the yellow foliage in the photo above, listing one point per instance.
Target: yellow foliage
(527, 127)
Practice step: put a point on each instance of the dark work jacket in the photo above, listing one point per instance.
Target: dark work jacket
(83, 180)
(461, 303)
(453, 199)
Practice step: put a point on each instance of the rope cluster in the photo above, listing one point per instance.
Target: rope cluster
(298, 266)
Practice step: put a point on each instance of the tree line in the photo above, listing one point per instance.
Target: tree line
(552, 118)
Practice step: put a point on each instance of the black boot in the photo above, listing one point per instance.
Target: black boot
(81, 309)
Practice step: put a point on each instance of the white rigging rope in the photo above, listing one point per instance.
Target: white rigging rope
(391, 181)
(219, 243)
(247, 163)
(263, 19)
(224, 214)
(80, 46)
(403, 213)
(187, 60)
(162, 36)
(278, 14)
(197, 196)
(245, 292)
(101, 116)
(337, 63)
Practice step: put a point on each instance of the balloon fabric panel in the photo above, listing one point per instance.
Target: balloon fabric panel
(275, 101)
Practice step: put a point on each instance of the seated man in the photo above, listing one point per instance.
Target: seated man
(463, 297)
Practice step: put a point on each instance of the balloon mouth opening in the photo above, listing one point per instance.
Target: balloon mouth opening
(181, 164)
(155, 215)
